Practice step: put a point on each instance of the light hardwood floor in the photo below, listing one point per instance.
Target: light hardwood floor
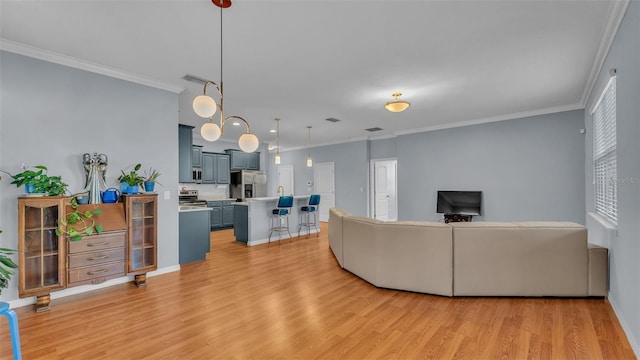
(293, 301)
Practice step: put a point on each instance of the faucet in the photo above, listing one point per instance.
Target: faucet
(280, 188)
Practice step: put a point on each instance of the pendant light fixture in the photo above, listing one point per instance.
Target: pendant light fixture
(277, 141)
(309, 161)
(206, 107)
(397, 105)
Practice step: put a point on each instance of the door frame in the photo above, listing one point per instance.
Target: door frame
(372, 190)
(333, 189)
(293, 177)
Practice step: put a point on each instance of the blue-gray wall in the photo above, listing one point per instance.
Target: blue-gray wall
(528, 169)
(52, 114)
(623, 244)
(383, 148)
(350, 167)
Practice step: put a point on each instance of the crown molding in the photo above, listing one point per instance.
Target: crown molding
(57, 58)
(608, 35)
(493, 119)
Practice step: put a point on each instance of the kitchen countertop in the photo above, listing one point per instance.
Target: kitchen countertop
(272, 198)
(214, 198)
(187, 208)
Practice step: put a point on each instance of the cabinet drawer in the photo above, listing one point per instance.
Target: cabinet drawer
(96, 257)
(98, 242)
(96, 274)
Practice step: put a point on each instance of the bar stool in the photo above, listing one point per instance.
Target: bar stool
(285, 203)
(305, 215)
(13, 329)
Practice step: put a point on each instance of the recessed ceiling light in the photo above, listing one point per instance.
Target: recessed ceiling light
(272, 130)
(236, 124)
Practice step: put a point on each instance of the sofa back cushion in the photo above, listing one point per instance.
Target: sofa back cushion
(335, 232)
(520, 259)
(413, 256)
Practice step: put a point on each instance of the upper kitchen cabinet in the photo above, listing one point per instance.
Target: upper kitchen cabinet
(241, 160)
(222, 169)
(185, 152)
(215, 168)
(196, 156)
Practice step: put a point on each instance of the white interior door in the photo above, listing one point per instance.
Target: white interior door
(323, 178)
(385, 203)
(285, 179)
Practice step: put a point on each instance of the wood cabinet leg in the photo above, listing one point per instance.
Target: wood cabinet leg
(141, 280)
(42, 303)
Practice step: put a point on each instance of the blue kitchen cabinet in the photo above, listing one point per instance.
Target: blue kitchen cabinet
(185, 148)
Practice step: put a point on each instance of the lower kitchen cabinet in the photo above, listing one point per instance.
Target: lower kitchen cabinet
(227, 214)
(221, 214)
(194, 235)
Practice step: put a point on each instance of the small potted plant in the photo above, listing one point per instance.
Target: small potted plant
(130, 181)
(6, 264)
(79, 223)
(37, 181)
(150, 179)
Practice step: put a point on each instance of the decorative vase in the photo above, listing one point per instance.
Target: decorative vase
(149, 185)
(29, 188)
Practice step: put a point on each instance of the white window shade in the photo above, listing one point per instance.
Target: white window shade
(604, 153)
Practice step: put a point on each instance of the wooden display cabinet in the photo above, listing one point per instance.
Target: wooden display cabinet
(99, 257)
(142, 220)
(42, 260)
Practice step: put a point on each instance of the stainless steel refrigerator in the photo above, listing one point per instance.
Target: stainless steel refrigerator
(247, 184)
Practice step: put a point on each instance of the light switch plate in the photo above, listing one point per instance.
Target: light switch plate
(167, 194)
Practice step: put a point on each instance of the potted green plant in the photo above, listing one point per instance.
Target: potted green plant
(79, 223)
(6, 264)
(130, 181)
(150, 179)
(36, 180)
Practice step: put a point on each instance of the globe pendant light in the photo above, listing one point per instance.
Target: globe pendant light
(205, 106)
(397, 105)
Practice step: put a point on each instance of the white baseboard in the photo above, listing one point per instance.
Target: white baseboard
(86, 288)
(633, 342)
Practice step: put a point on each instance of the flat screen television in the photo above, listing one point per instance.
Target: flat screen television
(459, 202)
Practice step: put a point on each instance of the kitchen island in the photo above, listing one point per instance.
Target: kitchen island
(253, 220)
(194, 233)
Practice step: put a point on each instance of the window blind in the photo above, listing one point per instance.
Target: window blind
(604, 152)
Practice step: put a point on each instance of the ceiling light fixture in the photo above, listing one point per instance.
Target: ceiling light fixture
(206, 107)
(397, 105)
(309, 161)
(277, 141)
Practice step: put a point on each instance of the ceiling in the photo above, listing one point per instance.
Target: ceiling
(457, 62)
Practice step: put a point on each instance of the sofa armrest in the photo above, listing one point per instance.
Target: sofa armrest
(598, 270)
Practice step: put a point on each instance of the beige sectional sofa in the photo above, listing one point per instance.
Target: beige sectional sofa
(470, 259)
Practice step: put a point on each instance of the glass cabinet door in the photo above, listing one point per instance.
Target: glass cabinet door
(141, 213)
(42, 259)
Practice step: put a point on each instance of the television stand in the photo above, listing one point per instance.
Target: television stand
(457, 218)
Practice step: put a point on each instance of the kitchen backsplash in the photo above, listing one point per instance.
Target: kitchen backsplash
(208, 191)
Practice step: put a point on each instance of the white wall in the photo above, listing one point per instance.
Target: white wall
(51, 114)
(623, 244)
